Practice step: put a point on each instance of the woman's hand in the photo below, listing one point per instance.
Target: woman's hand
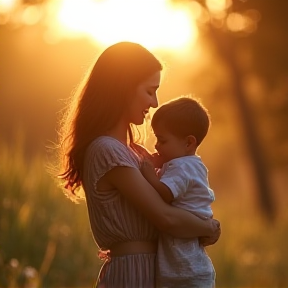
(206, 241)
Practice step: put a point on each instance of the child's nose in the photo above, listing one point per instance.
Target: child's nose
(156, 146)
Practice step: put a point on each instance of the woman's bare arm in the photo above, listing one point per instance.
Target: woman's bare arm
(174, 221)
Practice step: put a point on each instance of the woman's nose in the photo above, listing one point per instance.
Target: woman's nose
(154, 102)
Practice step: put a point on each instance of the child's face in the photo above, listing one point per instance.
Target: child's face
(168, 145)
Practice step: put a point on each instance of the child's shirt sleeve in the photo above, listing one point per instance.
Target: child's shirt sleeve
(176, 178)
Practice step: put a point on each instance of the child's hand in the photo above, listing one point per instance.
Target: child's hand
(142, 151)
(147, 169)
(157, 160)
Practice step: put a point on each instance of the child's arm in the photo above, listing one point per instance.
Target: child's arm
(148, 171)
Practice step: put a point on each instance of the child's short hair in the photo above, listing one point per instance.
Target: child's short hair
(182, 117)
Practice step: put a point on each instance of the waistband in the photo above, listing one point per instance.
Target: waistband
(133, 247)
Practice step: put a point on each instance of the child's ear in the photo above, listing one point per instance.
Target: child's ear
(191, 142)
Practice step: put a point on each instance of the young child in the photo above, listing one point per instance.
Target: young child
(180, 126)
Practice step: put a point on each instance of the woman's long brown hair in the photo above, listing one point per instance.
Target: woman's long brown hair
(100, 103)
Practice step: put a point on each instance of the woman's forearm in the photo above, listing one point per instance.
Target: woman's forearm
(174, 221)
(183, 224)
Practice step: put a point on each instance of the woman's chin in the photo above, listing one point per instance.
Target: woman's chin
(138, 121)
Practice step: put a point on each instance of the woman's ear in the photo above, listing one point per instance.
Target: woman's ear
(191, 143)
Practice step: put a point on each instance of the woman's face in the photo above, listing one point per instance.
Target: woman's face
(144, 97)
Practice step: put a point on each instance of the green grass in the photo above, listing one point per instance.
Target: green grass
(45, 239)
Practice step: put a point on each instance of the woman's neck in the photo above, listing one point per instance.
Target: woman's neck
(119, 132)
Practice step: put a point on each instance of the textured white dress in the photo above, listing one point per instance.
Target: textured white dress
(113, 219)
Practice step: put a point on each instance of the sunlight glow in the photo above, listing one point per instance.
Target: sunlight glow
(237, 23)
(218, 6)
(7, 5)
(31, 15)
(155, 24)
(198, 12)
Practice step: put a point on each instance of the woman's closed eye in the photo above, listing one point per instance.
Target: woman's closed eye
(152, 90)
(151, 93)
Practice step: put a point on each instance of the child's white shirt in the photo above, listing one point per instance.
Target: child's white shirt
(187, 179)
(180, 262)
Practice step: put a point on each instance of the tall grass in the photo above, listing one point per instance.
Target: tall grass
(252, 251)
(45, 239)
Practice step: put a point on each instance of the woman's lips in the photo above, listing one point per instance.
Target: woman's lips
(146, 111)
(146, 114)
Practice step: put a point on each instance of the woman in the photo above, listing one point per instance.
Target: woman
(99, 154)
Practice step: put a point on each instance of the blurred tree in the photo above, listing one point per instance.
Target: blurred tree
(270, 45)
(234, 31)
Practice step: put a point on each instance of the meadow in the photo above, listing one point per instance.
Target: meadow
(45, 239)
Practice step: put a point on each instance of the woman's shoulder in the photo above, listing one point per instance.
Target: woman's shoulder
(110, 149)
(103, 154)
(106, 143)
(106, 140)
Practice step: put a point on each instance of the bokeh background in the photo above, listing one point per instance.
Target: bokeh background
(230, 54)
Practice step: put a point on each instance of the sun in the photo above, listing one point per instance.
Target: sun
(155, 24)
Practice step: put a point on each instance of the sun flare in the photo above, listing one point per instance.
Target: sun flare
(7, 5)
(155, 24)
